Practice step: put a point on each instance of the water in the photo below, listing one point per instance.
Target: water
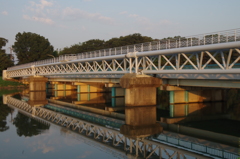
(24, 137)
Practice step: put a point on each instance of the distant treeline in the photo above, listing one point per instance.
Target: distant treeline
(96, 44)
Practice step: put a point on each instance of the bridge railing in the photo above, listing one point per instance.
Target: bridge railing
(196, 40)
(62, 58)
(189, 41)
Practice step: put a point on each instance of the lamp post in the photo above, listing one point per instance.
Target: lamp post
(53, 57)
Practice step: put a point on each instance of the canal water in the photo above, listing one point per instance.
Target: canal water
(24, 137)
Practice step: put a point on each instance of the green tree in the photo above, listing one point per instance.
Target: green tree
(31, 47)
(4, 58)
(96, 44)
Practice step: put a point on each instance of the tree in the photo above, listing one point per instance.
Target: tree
(96, 44)
(31, 47)
(4, 58)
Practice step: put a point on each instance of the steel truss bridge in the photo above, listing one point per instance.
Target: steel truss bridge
(138, 147)
(206, 56)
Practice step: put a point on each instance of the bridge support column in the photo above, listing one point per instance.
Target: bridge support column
(118, 97)
(37, 83)
(140, 102)
(194, 103)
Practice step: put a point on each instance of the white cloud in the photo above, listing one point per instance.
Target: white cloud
(39, 19)
(42, 4)
(5, 13)
(39, 12)
(123, 12)
(75, 13)
(133, 15)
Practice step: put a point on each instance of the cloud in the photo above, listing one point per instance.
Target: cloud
(123, 12)
(39, 12)
(133, 15)
(5, 13)
(39, 19)
(75, 13)
(42, 4)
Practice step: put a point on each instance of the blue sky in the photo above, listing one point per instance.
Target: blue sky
(65, 23)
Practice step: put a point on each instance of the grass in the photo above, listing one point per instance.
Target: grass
(9, 83)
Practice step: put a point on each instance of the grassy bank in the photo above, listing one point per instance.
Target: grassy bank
(8, 87)
(9, 83)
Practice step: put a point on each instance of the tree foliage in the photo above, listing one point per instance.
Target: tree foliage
(4, 58)
(31, 47)
(97, 44)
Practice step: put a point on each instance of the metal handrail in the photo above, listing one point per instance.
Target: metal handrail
(198, 147)
(189, 41)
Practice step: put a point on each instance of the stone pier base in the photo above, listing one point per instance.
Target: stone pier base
(140, 105)
(37, 83)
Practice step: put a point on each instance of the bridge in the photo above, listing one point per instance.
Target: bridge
(134, 72)
(210, 56)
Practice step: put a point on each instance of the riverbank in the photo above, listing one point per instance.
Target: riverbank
(10, 84)
(8, 87)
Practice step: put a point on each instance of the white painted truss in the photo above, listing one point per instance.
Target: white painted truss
(137, 147)
(221, 59)
(225, 36)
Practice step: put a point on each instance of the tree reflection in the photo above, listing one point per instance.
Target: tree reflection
(4, 111)
(27, 126)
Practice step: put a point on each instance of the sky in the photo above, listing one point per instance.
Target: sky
(68, 22)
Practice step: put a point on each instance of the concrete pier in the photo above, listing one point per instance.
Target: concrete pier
(140, 105)
(37, 83)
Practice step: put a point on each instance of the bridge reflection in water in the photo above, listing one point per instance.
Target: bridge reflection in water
(132, 146)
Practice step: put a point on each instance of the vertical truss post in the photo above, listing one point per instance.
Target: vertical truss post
(229, 58)
(159, 61)
(160, 152)
(136, 65)
(33, 70)
(130, 65)
(204, 40)
(114, 65)
(235, 36)
(125, 64)
(131, 145)
(201, 60)
(125, 143)
(137, 142)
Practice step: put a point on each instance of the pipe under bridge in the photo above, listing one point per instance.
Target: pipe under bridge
(210, 57)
